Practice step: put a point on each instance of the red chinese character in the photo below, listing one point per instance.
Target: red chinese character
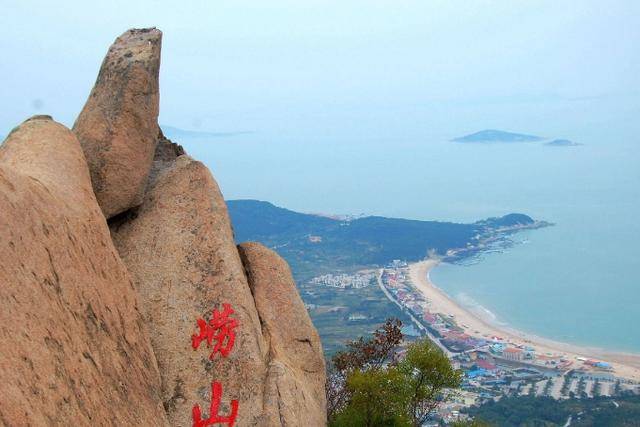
(219, 329)
(214, 418)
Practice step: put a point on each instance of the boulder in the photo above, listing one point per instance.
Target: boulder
(75, 347)
(180, 251)
(118, 126)
(295, 385)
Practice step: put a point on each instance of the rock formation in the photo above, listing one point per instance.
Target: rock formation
(99, 321)
(74, 344)
(180, 250)
(118, 125)
(294, 393)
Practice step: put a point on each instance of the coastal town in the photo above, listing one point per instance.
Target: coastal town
(494, 365)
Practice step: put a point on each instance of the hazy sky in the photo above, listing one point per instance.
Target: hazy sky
(325, 69)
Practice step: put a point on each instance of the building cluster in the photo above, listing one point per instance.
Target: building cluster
(487, 373)
(444, 328)
(490, 376)
(396, 281)
(343, 281)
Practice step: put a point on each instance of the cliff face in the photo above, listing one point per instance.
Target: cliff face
(180, 250)
(101, 325)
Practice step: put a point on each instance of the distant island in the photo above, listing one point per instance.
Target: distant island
(492, 135)
(562, 143)
(176, 133)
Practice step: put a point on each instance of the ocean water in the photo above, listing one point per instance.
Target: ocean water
(577, 281)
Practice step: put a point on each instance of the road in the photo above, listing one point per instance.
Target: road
(418, 324)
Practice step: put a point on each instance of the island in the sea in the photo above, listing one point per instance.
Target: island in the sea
(493, 135)
(562, 143)
(175, 133)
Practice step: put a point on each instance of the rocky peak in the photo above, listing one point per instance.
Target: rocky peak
(118, 126)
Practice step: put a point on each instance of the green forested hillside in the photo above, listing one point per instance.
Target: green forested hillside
(315, 244)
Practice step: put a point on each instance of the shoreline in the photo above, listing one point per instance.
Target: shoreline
(625, 365)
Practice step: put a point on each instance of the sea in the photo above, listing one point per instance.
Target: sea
(577, 281)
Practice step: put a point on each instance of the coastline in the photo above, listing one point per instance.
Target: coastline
(626, 365)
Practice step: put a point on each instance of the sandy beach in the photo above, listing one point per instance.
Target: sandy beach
(624, 364)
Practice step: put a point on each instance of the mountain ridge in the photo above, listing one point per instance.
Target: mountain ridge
(363, 241)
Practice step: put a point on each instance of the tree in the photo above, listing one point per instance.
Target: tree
(367, 386)
(616, 388)
(597, 388)
(378, 398)
(371, 353)
(361, 355)
(430, 377)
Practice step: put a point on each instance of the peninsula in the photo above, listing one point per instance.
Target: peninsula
(315, 244)
(334, 259)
